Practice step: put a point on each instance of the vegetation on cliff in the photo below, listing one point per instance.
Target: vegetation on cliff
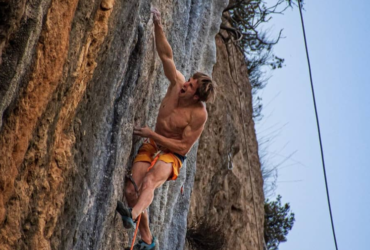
(204, 236)
(243, 20)
(278, 222)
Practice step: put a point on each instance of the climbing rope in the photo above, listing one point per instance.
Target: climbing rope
(136, 229)
(318, 126)
(248, 160)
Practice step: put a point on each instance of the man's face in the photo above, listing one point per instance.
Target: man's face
(189, 88)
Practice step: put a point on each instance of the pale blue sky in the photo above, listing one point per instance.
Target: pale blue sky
(338, 35)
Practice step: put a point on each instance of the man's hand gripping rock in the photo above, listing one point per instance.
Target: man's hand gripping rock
(156, 15)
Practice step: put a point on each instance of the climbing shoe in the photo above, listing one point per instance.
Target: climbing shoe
(141, 245)
(126, 215)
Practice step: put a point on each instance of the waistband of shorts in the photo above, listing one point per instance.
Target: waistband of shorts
(182, 158)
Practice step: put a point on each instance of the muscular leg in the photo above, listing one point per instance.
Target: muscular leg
(139, 170)
(152, 180)
(147, 182)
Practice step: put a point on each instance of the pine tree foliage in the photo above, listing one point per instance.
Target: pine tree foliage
(278, 222)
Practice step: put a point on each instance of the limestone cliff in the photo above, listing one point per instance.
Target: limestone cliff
(228, 187)
(75, 77)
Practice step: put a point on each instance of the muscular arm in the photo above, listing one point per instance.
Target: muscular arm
(174, 145)
(164, 49)
(190, 134)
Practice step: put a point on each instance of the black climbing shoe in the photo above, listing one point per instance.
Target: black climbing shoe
(143, 246)
(126, 215)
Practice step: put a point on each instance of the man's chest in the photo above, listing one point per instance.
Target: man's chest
(172, 118)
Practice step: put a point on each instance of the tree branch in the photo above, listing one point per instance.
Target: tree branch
(237, 4)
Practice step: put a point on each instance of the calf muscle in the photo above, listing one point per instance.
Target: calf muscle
(138, 170)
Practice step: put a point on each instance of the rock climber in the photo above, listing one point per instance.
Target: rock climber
(181, 119)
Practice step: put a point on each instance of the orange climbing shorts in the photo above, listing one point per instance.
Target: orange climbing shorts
(147, 153)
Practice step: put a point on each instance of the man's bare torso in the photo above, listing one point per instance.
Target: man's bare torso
(172, 119)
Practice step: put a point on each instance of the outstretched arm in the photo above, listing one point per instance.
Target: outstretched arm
(163, 48)
(181, 146)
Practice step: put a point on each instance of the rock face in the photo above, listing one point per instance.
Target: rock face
(228, 187)
(74, 79)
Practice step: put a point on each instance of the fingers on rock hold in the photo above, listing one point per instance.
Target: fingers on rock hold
(107, 4)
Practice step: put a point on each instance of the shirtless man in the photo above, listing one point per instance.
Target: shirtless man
(180, 122)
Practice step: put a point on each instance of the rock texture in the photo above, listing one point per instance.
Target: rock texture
(75, 77)
(228, 192)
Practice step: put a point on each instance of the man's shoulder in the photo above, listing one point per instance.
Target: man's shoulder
(199, 113)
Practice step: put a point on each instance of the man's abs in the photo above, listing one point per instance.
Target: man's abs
(168, 129)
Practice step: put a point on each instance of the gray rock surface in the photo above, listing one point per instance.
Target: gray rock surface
(75, 78)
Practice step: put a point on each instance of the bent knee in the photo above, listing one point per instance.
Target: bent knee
(148, 183)
(130, 191)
